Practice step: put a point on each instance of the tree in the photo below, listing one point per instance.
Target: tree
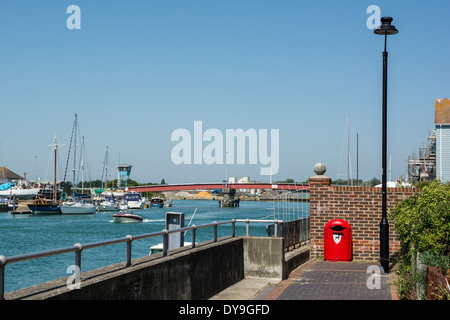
(423, 221)
(372, 182)
(163, 181)
(422, 224)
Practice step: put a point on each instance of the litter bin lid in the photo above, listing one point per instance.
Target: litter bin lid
(337, 222)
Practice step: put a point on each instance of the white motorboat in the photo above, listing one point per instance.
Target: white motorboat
(77, 207)
(108, 205)
(127, 217)
(135, 200)
(20, 193)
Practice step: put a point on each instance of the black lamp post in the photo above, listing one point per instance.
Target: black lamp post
(384, 29)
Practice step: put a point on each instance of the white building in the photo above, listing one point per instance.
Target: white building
(244, 180)
(231, 179)
(442, 125)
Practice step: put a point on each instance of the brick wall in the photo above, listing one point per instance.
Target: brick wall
(360, 207)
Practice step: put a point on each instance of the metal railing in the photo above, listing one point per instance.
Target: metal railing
(78, 247)
(294, 232)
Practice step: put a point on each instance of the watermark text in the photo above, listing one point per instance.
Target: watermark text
(228, 148)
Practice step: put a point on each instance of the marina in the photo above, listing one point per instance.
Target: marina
(29, 233)
(220, 120)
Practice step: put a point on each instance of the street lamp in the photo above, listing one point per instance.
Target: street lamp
(384, 29)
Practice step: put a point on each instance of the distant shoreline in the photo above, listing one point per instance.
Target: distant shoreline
(252, 199)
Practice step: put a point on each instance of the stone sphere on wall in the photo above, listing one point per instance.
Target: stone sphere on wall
(320, 169)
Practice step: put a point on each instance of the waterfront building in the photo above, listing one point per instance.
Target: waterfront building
(7, 175)
(442, 126)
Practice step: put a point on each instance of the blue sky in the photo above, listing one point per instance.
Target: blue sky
(136, 71)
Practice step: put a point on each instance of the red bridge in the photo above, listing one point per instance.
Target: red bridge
(215, 186)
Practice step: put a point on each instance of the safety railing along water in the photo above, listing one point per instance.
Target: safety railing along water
(78, 247)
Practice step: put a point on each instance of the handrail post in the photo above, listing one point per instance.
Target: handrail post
(194, 230)
(78, 262)
(3, 262)
(130, 239)
(276, 227)
(165, 242)
(215, 231)
(308, 228)
(233, 228)
(247, 222)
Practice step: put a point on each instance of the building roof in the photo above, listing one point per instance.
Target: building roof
(5, 173)
(442, 111)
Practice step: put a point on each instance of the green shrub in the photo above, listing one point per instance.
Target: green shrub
(422, 224)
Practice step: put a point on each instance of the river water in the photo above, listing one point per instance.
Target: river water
(21, 234)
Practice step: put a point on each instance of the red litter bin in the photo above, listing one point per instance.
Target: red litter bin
(337, 241)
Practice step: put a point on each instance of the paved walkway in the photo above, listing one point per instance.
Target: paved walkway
(317, 280)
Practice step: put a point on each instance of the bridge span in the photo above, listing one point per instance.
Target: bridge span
(215, 186)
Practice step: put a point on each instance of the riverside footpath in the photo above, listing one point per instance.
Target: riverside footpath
(319, 280)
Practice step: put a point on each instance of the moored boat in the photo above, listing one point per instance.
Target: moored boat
(108, 204)
(45, 206)
(20, 193)
(20, 190)
(127, 217)
(77, 207)
(135, 200)
(157, 202)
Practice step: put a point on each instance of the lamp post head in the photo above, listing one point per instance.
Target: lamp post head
(386, 28)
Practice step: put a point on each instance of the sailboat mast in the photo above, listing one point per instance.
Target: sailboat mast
(390, 177)
(357, 160)
(74, 153)
(54, 185)
(82, 165)
(349, 174)
(106, 169)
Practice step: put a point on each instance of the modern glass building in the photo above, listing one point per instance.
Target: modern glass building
(442, 125)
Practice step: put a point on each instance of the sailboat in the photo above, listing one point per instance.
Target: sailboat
(108, 203)
(349, 164)
(79, 205)
(47, 206)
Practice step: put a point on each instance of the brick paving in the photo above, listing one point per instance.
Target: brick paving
(324, 280)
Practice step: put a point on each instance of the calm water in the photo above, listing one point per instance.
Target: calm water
(20, 234)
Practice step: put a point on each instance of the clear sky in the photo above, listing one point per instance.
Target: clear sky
(138, 70)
